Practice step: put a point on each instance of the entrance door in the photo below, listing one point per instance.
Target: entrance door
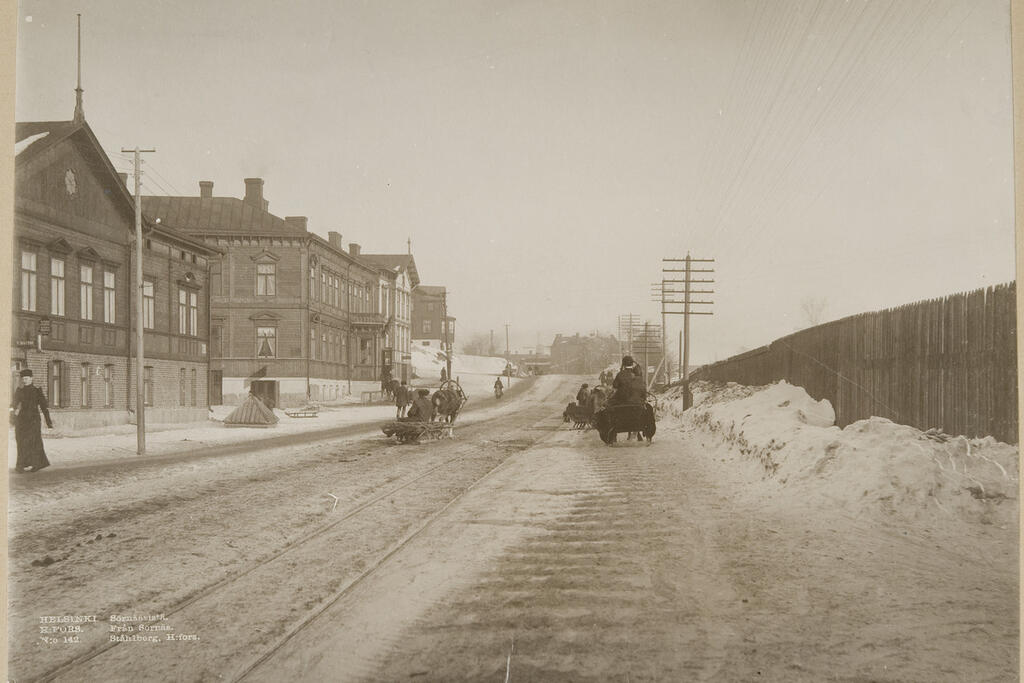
(266, 391)
(216, 387)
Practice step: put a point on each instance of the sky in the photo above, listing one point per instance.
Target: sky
(544, 157)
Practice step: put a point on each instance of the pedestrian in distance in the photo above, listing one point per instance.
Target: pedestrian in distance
(28, 402)
(402, 399)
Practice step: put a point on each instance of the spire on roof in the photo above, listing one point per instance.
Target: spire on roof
(79, 112)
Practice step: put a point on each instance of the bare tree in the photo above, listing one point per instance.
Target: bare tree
(813, 309)
(477, 345)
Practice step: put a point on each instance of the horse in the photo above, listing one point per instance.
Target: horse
(447, 403)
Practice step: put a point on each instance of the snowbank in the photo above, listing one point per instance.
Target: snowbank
(871, 465)
(427, 362)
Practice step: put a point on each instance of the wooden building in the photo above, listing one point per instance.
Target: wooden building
(74, 302)
(396, 303)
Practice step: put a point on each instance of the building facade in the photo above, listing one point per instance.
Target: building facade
(577, 355)
(396, 286)
(294, 317)
(74, 305)
(431, 324)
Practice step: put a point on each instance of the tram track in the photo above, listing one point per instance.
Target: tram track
(444, 483)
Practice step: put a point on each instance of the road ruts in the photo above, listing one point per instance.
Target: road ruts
(601, 589)
(246, 612)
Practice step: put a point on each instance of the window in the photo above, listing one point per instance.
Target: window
(58, 384)
(426, 327)
(86, 384)
(217, 341)
(108, 386)
(312, 344)
(193, 403)
(85, 291)
(337, 291)
(193, 313)
(266, 342)
(266, 279)
(323, 347)
(323, 287)
(147, 385)
(430, 308)
(56, 286)
(28, 281)
(312, 283)
(182, 311)
(109, 298)
(181, 386)
(148, 305)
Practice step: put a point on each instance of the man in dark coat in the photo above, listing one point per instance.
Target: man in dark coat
(402, 399)
(582, 395)
(628, 385)
(422, 409)
(28, 433)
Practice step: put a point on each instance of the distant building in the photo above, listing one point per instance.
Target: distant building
(431, 324)
(74, 307)
(294, 317)
(578, 355)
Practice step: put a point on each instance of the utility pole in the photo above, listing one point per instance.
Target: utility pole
(447, 344)
(688, 303)
(140, 399)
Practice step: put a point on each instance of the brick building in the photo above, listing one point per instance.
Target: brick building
(578, 355)
(294, 317)
(396, 304)
(430, 320)
(73, 300)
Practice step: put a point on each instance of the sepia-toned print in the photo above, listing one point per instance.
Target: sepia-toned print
(513, 341)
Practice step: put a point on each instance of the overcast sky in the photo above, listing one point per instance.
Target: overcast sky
(544, 156)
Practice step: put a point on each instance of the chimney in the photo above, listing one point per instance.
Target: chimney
(353, 248)
(254, 192)
(297, 222)
(124, 178)
(205, 189)
(335, 239)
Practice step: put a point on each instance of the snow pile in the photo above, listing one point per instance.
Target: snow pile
(871, 465)
(427, 362)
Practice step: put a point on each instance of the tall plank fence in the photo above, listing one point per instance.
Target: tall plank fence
(949, 363)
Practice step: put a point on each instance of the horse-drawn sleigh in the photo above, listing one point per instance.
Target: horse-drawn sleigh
(432, 418)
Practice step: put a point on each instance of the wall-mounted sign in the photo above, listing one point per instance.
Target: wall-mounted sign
(44, 327)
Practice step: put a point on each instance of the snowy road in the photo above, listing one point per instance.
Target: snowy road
(522, 549)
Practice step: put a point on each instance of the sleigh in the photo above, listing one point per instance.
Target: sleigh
(616, 419)
(411, 431)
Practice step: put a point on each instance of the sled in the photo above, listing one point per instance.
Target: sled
(411, 431)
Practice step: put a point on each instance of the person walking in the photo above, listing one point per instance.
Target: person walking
(28, 402)
(402, 399)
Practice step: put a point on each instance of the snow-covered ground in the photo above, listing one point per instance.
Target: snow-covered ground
(791, 452)
(427, 363)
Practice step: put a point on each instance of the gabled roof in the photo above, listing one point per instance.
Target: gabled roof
(45, 134)
(394, 261)
(49, 133)
(211, 215)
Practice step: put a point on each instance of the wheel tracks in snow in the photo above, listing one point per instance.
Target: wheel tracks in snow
(311, 555)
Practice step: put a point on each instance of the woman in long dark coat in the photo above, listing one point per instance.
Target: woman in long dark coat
(26, 406)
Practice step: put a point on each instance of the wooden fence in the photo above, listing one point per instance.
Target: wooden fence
(949, 363)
